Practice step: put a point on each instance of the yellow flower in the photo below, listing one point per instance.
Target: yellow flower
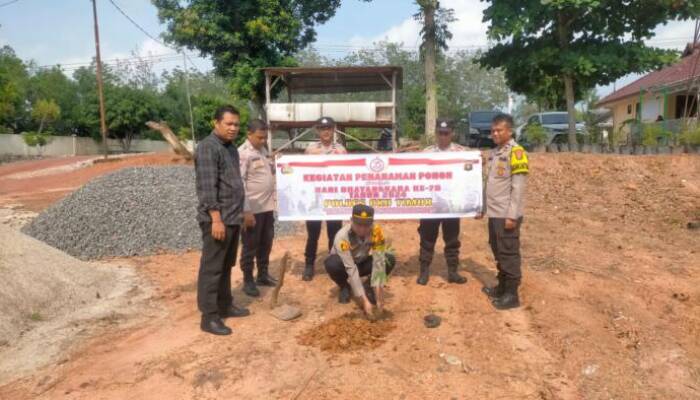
(377, 238)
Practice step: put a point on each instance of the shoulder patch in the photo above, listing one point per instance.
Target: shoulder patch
(344, 245)
(518, 161)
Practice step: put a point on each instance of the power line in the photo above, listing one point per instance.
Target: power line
(8, 3)
(145, 32)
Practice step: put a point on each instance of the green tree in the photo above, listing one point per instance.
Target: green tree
(243, 36)
(44, 112)
(549, 45)
(86, 117)
(52, 84)
(127, 111)
(205, 89)
(13, 88)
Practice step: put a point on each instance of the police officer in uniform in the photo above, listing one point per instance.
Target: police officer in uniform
(429, 228)
(325, 127)
(258, 174)
(506, 175)
(352, 257)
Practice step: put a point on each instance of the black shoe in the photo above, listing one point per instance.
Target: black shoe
(234, 312)
(215, 326)
(308, 273)
(344, 295)
(498, 290)
(454, 277)
(250, 288)
(264, 279)
(506, 302)
(493, 292)
(510, 298)
(423, 276)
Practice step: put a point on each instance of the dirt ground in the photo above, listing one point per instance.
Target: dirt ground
(611, 309)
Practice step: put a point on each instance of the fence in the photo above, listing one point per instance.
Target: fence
(74, 146)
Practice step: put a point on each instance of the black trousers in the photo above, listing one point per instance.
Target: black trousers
(313, 232)
(336, 268)
(428, 231)
(505, 245)
(257, 243)
(214, 280)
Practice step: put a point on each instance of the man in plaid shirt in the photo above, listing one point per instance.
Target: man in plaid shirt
(220, 214)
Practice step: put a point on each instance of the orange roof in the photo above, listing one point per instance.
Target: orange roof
(679, 72)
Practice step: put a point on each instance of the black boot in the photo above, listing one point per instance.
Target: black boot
(308, 272)
(344, 295)
(496, 291)
(214, 326)
(234, 312)
(249, 286)
(510, 298)
(424, 274)
(369, 292)
(453, 276)
(264, 278)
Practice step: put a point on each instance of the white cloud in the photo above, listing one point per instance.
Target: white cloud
(468, 31)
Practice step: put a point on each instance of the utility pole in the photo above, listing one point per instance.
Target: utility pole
(430, 59)
(189, 102)
(98, 73)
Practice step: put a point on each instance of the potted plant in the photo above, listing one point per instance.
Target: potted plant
(689, 138)
(536, 136)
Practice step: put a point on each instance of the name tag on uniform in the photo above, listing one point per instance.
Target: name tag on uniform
(258, 163)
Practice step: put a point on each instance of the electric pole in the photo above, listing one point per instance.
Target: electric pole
(98, 73)
(189, 102)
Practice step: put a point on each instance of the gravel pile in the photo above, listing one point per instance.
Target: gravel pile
(134, 211)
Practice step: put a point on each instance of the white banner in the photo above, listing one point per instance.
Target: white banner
(398, 186)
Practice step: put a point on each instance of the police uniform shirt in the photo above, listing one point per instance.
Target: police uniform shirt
(452, 147)
(506, 177)
(354, 250)
(319, 148)
(257, 171)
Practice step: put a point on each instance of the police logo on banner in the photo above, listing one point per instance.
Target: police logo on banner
(377, 165)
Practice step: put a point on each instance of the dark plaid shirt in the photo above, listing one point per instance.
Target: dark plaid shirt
(219, 183)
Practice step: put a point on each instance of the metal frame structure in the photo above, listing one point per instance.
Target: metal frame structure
(329, 80)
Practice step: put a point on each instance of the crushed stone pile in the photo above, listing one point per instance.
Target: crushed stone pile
(131, 212)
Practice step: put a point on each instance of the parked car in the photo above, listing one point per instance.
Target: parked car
(478, 129)
(555, 123)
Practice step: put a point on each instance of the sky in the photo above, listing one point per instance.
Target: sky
(61, 32)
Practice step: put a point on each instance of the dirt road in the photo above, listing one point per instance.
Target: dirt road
(611, 310)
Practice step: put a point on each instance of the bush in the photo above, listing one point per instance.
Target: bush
(690, 136)
(651, 134)
(535, 134)
(33, 139)
(184, 134)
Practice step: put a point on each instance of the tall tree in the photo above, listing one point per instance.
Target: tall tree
(53, 85)
(13, 87)
(435, 34)
(44, 112)
(574, 45)
(243, 36)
